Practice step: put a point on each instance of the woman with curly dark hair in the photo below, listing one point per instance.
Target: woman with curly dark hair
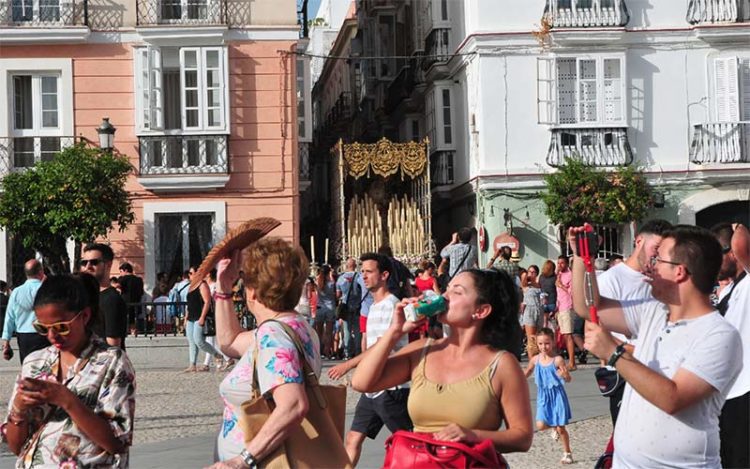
(464, 386)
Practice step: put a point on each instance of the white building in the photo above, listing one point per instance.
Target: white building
(505, 95)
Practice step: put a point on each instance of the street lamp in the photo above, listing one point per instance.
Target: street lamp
(106, 133)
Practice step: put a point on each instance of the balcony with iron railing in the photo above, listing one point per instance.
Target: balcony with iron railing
(181, 12)
(21, 153)
(586, 13)
(441, 168)
(437, 48)
(43, 13)
(166, 160)
(709, 12)
(721, 142)
(604, 147)
(303, 153)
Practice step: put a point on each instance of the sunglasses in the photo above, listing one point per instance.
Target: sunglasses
(93, 262)
(59, 328)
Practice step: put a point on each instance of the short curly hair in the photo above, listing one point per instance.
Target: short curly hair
(277, 271)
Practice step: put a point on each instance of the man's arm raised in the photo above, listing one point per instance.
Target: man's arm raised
(610, 312)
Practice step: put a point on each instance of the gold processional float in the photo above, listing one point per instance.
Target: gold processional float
(382, 197)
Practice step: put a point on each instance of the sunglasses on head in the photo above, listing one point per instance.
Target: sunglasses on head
(59, 328)
(93, 262)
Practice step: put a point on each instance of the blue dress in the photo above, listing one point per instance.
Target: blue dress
(552, 405)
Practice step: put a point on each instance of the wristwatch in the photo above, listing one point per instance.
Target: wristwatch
(249, 459)
(619, 350)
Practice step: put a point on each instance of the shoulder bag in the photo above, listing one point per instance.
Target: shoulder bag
(318, 441)
(421, 451)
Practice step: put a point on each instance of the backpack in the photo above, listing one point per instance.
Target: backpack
(174, 297)
(352, 301)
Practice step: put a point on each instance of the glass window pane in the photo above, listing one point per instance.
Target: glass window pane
(191, 59)
(191, 79)
(49, 119)
(155, 153)
(191, 98)
(212, 59)
(49, 85)
(174, 152)
(200, 234)
(169, 245)
(211, 152)
(192, 118)
(214, 117)
(213, 78)
(214, 98)
(49, 10)
(23, 117)
(50, 147)
(22, 10)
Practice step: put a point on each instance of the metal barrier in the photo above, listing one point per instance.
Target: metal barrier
(156, 318)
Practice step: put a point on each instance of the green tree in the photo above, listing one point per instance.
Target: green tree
(578, 193)
(79, 194)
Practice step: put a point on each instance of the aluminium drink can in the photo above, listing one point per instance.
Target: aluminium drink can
(426, 307)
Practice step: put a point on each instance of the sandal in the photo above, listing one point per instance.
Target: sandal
(567, 458)
(227, 365)
(202, 368)
(190, 369)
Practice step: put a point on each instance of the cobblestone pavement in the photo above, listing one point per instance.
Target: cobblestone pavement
(173, 405)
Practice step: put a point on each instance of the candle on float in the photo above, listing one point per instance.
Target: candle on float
(312, 248)
(325, 259)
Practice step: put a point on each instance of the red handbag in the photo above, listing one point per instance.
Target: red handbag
(421, 451)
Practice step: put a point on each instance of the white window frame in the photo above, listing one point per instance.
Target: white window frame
(434, 122)
(217, 209)
(548, 88)
(149, 91)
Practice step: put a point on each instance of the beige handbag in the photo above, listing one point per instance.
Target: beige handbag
(318, 442)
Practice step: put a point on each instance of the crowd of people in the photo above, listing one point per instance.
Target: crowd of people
(670, 323)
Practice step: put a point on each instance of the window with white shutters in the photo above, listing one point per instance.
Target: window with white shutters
(581, 91)
(439, 117)
(191, 89)
(726, 82)
(744, 65)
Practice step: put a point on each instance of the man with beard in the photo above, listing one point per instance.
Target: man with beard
(734, 421)
(97, 260)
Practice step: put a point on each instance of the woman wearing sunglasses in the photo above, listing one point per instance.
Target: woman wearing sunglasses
(73, 404)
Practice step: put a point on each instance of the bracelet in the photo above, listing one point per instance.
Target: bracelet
(222, 296)
(619, 351)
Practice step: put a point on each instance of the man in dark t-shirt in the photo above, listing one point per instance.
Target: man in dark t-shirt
(131, 288)
(97, 260)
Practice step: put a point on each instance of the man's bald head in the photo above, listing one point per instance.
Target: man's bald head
(33, 269)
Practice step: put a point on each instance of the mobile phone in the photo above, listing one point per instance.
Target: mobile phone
(587, 238)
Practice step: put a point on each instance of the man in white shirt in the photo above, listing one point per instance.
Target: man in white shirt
(385, 407)
(625, 282)
(685, 362)
(734, 421)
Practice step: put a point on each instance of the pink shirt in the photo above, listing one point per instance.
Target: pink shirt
(564, 299)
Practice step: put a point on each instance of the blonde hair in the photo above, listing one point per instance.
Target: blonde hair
(276, 270)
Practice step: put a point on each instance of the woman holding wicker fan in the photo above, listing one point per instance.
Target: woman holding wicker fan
(278, 352)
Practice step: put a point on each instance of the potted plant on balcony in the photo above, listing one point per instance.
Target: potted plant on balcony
(578, 193)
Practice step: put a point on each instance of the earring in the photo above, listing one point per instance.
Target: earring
(473, 316)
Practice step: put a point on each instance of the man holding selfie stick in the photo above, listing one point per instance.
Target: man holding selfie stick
(685, 363)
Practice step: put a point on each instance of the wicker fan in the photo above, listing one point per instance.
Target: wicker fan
(239, 238)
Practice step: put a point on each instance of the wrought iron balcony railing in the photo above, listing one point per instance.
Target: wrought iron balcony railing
(441, 168)
(721, 142)
(437, 47)
(183, 154)
(718, 11)
(43, 13)
(303, 150)
(606, 146)
(20, 153)
(181, 12)
(586, 13)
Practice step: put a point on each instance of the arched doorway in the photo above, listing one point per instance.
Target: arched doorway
(734, 212)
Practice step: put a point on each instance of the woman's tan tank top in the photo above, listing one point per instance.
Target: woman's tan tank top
(471, 403)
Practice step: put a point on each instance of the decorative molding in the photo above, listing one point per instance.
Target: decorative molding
(16, 36)
(183, 183)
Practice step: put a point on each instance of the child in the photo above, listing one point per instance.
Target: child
(552, 407)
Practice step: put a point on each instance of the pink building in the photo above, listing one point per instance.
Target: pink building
(202, 94)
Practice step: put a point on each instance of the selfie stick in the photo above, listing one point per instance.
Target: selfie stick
(584, 250)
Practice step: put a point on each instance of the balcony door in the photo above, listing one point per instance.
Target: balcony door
(182, 240)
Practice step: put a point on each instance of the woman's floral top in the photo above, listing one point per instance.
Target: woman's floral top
(279, 363)
(105, 382)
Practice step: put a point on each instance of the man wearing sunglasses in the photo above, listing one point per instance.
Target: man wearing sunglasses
(97, 260)
(20, 316)
(686, 360)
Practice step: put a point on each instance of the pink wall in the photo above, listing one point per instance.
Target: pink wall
(261, 96)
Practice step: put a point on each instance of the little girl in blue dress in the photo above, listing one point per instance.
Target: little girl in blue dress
(552, 407)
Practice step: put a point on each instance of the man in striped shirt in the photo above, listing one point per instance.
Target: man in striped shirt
(385, 407)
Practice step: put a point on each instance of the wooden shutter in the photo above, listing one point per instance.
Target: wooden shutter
(156, 97)
(142, 89)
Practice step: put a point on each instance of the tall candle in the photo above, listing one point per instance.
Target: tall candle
(312, 248)
(325, 259)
